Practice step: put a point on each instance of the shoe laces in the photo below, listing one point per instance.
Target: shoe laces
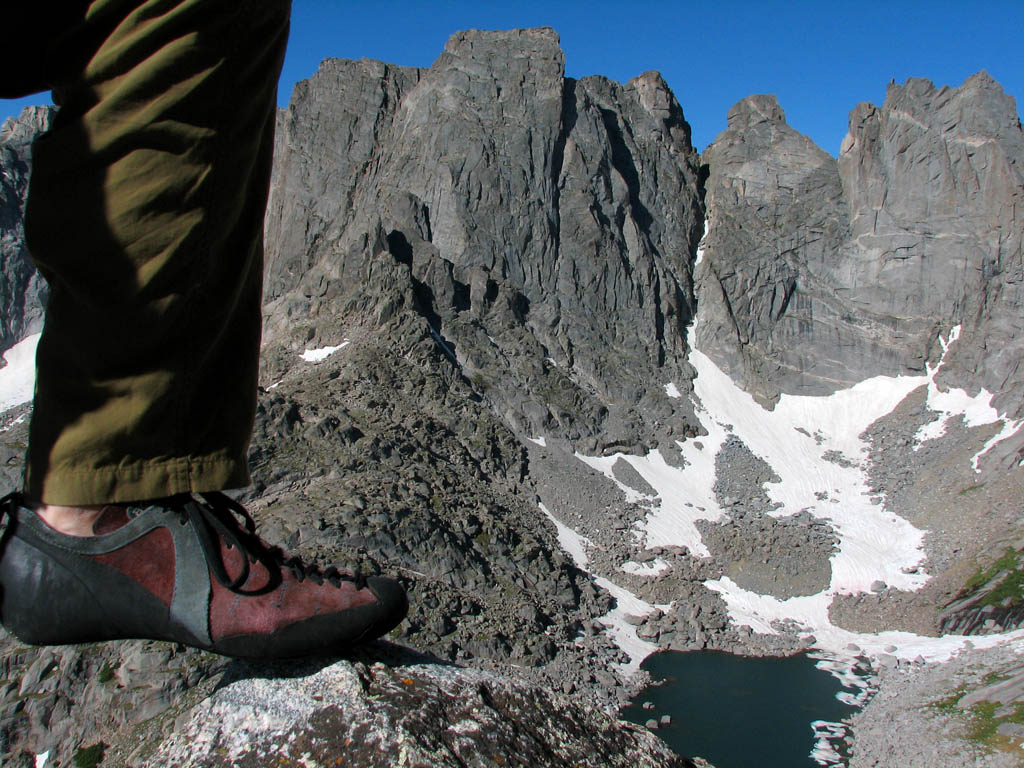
(8, 504)
(216, 518)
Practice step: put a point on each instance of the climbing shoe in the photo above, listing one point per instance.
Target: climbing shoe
(187, 569)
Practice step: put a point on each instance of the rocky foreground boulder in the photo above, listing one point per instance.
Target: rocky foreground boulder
(403, 712)
(384, 705)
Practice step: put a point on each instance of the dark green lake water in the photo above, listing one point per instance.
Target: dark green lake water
(738, 711)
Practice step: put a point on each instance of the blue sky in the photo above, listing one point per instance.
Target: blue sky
(820, 58)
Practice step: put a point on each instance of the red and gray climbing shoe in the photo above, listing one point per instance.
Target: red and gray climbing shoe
(186, 569)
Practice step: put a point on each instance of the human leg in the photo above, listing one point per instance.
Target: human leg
(145, 215)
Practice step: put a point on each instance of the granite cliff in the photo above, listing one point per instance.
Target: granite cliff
(822, 272)
(22, 289)
(545, 225)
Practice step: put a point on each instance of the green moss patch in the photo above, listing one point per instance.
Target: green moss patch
(89, 757)
(982, 720)
(982, 725)
(948, 705)
(1010, 586)
(106, 673)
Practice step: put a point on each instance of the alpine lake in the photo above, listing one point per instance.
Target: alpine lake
(737, 711)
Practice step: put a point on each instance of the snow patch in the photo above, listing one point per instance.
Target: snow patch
(813, 445)
(844, 670)
(321, 354)
(810, 613)
(976, 410)
(41, 759)
(18, 378)
(794, 440)
(604, 464)
(672, 390)
(622, 632)
(653, 568)
(626, 603)
(1009, 429)
(572, 542)
(700, 245)
(875, 544)
(825, 734)
(20, 420)
(684, 494)
(539, 441)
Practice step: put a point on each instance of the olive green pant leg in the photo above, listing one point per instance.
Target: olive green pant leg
(145, 215)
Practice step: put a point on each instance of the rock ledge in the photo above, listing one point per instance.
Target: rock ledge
(409, 711)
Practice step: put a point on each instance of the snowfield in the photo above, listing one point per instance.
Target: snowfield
(801, 440)
(321, 354)
(626, 603)
(18, 378)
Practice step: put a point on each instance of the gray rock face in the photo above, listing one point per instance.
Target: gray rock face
(547, 224)
(143, 703)
(819, 273)
(775, 215)
(921, 711)
(22, 289)
(412, 713)
(379, 455)
(783, 557)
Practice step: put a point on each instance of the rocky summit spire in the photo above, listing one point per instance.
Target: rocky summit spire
(822, 273)
(545, 226)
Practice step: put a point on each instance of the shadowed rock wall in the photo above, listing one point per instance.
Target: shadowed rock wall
(22, 290)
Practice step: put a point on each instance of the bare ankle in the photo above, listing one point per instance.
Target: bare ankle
(71, 521)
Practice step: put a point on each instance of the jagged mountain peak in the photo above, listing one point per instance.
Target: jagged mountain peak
(923, 88)
(26, 126)
(758, 134)
(979, 110)
(518, 59)
(657, 98)
(759, 108)
(823, 273)
(522, 38)
(548, 224)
